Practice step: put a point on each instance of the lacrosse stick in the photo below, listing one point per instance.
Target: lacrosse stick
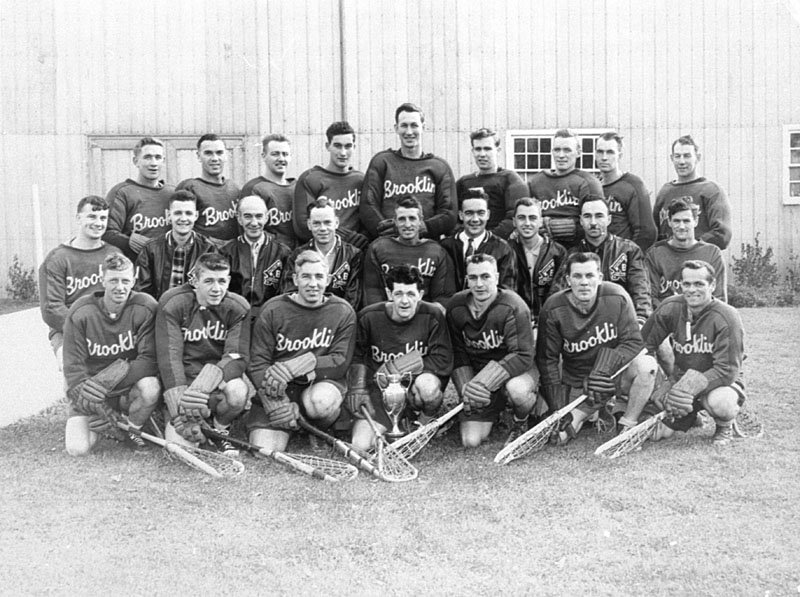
(412, 444)
(747, 424)
(211, 463)
(632, 439)
(349, 452)
(536, 437)
(390, 464)
(325, 469)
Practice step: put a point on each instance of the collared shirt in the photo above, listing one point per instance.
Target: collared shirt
(178, 270)
(476, 242)
(532, 255)
(255, 247)
(330, 258)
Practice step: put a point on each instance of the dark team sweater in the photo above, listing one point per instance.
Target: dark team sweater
(343, 190)
(561, 194)
(391, 176)
(381, 339)
(188, 336)
(279, 199)
(216, 206)
(492, 245)
(261, 281)
(629, 205)
(136, 208)
(502, 333)
(664, 264)
(504, 187)
(428, 256)
(711, 342)
(67, 274)
(569, 335)
(714, 225)
(93, 339)
(345, 282)
(285, 329)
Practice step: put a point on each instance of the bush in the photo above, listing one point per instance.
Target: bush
(757, 283)
(755, 268)
(21, 282)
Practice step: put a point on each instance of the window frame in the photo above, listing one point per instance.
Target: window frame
(786, 195)
(511, 135)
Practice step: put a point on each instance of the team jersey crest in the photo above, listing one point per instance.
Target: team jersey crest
(618, 271)
(340, 276)
(272, 274)
(546, 272)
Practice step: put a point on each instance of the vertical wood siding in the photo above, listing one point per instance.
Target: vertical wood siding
(726, 71)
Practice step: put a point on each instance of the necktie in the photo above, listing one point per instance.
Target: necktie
(470, 250)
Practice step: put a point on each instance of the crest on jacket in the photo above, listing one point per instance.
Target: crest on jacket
(618, 271)
(340, 277)
(272, 274)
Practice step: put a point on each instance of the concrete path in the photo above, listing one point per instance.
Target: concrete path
(29, 376)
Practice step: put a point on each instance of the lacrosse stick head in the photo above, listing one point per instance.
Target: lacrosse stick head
(747, 423)
(632, 439)
(394, 391)
(207, 461)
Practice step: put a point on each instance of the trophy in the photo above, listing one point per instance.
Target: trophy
(394, 388)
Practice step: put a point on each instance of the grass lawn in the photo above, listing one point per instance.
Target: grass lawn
(12, 306)
(680, 517)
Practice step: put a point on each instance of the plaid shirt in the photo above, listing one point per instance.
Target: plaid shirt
(178, 273)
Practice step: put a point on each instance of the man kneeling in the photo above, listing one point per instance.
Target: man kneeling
(109, 359)
(302, 346)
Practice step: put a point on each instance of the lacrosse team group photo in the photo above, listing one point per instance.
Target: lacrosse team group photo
(313, 324)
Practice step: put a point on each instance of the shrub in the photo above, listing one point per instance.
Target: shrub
(755, 268)
(21, 282)
(757, 283)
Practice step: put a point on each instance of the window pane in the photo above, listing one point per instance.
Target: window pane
(795, 158)
(794, 189)
(533, 162)
(545, 163)
(587, 161)
(587, 145)
(519, 162)
(794, 174)
(533, 145)
(519, 145)
(794, 140)
(545, 144)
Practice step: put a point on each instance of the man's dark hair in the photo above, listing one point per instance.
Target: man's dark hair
(116, 262)
(97, 203)
(318, 203)
(182, 195)
(408, 107)
(341, 127)
(612, 136)
(697, 265)
(278, 137)
(685, 140)
(409, 202)
(473, 194)
(680, 204)
(484, 133)
(207, 137)
(404, 274)
(583, 258)
(137, 149)
(591, 198)
(527, 202)
(214, 262)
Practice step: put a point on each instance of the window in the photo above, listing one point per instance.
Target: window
(791, 167)
(528, 151)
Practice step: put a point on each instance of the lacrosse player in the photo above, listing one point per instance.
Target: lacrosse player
(492, 353)
(393, 174)
(403, 335)
(706, 335)
(276, 188)
(628, 198)
(257, 258)
(138, 208)
(216, 195)
(338, 182)
(407, 247)
(714, 225)
(586, 334)
(538, 257)
(502, 187)
(109, 359)
(74, 269)
(203, 346)
(302, 346)
(664, 260)
(344, 260)
(473, 211)
(561, 190)
(165, 262)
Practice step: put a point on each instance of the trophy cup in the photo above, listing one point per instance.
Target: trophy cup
(394, 388)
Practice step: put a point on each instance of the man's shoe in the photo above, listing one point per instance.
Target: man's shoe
(136, 442)
(723, 435)
(517, 428)
(224, 445)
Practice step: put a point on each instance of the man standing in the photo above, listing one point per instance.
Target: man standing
(407, 247)
(628, 198)
(474, 238)
(203, 335)
(302, 346)
(275, 188)
(714, 225)
(393, 174)
(74, 269)
(339, 183)
(110, 359)
(257, 258)
(166, 262)
(502, 187)
(665, 259)
(621, 260)
(343, 259)
(138, 208)
(492, 353)
(403, 335)
(587, 333)
(216, 195)
(539, 258)
(562, 189)
(707, 336)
